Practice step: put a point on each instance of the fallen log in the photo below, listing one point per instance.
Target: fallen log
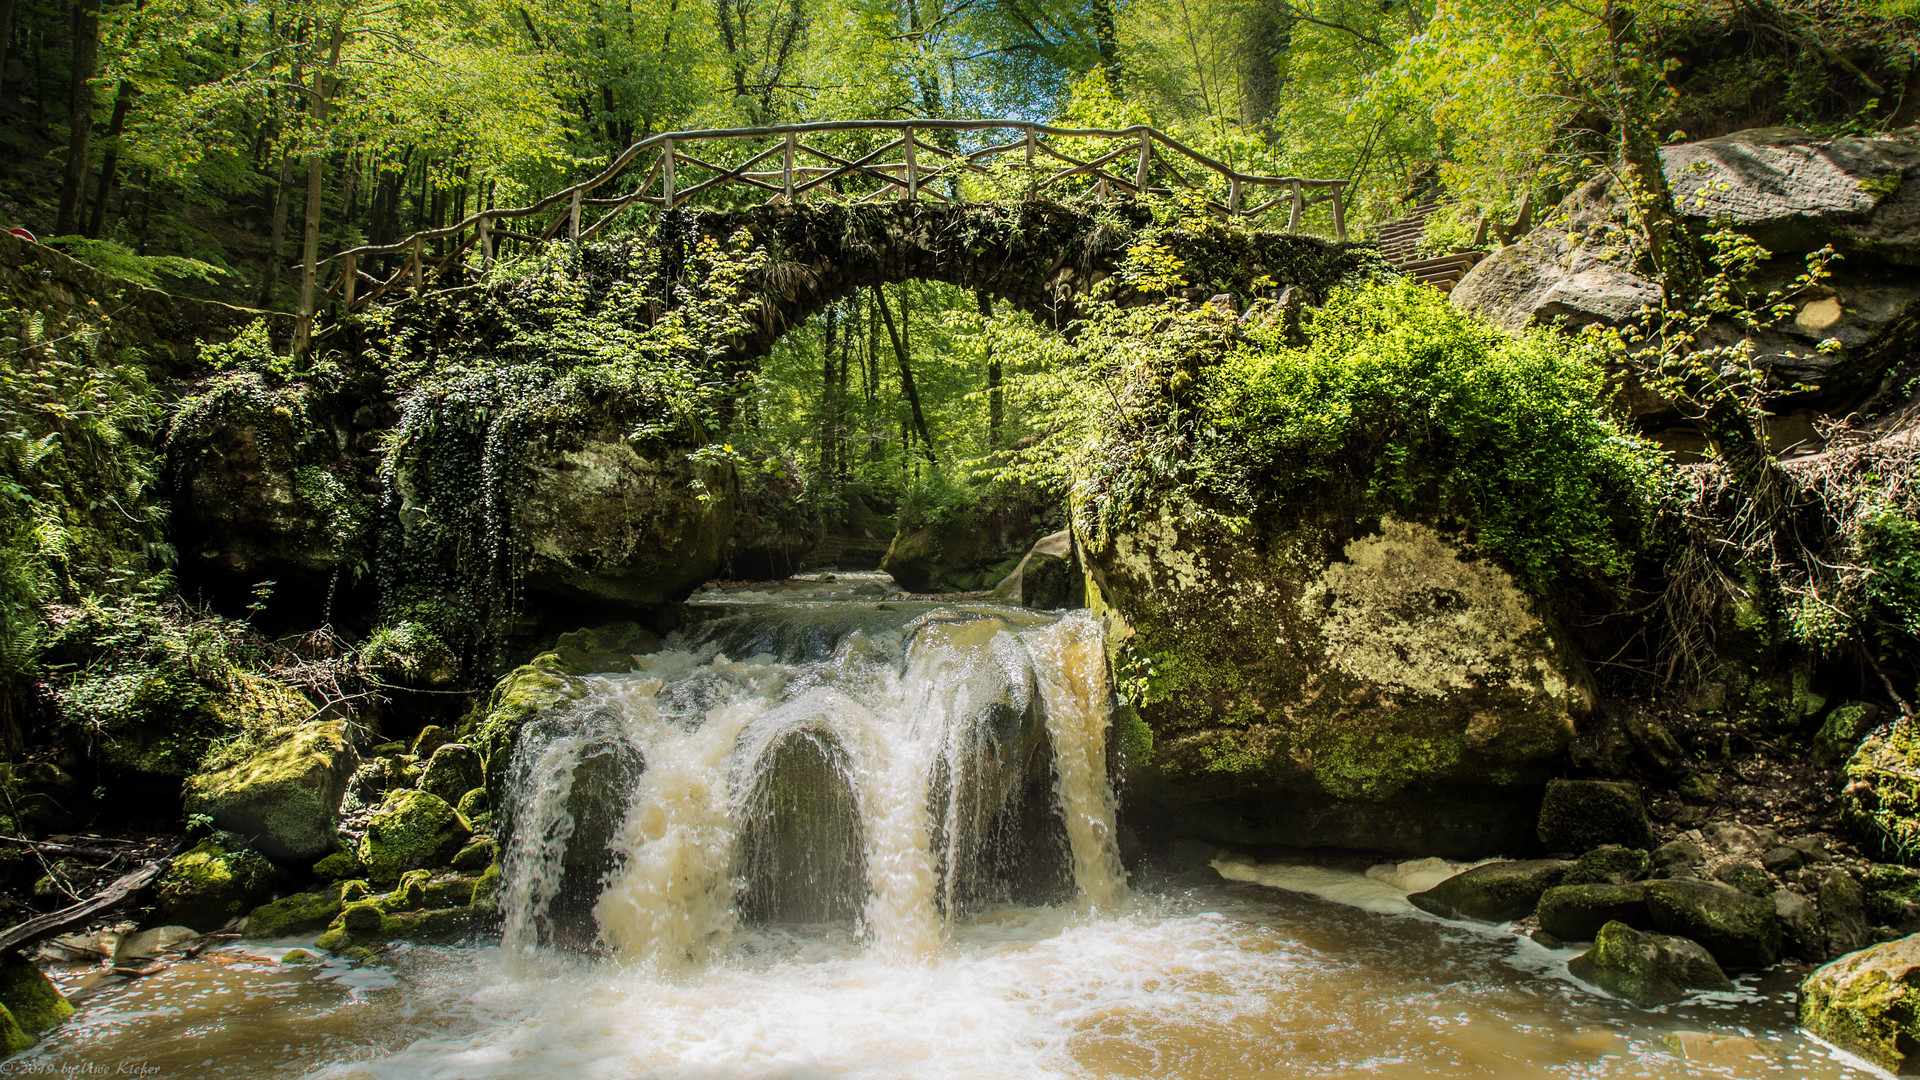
(42, 927)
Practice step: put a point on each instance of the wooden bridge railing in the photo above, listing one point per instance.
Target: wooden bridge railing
(780, 165)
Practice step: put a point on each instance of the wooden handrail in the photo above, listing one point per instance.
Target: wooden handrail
(910, 177)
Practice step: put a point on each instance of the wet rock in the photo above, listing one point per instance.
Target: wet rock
(1893, 897)
(1577, 912)
(475, 856)
(373, 779)
(1495, 892)
(452, 771)
(1741, 931)
(603, 649)
(285, 799)
(298, 957)
(1580, 815)
(475, 805)
(34, 1003)
(341, 865)
(294, 916)
(1800, 927)
(1868, 1003)
(980, 548)
(1746, 876)
(1646, 969)
(1699, 790)
(1611, 864)
(519, 698)
(411, 830)
(1048, 577)
(1843, 908)
(208, 885)
(1441, 696)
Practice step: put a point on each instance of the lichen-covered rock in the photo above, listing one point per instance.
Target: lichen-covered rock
(207, 886)
(285, 798)
(1334, 677)
(1577, 912)
(1749, 877)
(474, 805)
(1646, 969)
(1609, 864)
(1868, 1003)
(1881, 800)
(34, 1002)
(412, 830)
(476, 855)
(1840, 733)
(452, 771)
(1494, 892)
(294, 916)
(1741, 931)
(1577, 816)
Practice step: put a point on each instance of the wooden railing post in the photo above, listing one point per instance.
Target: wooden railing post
(346, 285)
(1298, 209)
(573, 218)
(786, 170)
(913, 170)
(666, 173)
(1339, 212)
(1140, 175)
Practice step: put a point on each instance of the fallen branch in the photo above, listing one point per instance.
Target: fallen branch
(42, 927)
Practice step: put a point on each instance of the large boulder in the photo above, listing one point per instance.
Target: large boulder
(1334, 676)
(412, 830)
(973, 548)
(1868, 1003)
(1577, 816)
(29, 996)
(1646, 969)
(452, 771)
(1495, 892)
(1791, 191)
(1577, 912)
(209, 885)
(285, 797)
(606, 522)
(1741, 931)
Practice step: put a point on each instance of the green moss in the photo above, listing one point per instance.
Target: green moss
(1881, 800)
(1867, 1003)
(208, 885)
(521, 696)
(1376, 765)
(1133, 737)
(284, 796)
(13, 1038)
(32, 999)
(411, 830)
(342, 865)
(293, 916)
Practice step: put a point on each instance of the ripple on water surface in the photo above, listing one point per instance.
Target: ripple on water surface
(1213, 981)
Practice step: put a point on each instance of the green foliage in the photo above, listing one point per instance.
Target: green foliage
(123, 262)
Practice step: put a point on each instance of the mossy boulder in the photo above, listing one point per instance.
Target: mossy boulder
(1880, 799)
(1646, 969)
(541, 686)
(1577, 912)
(1335, 676)
(342, 864)
(1840, 733)
(411, 830)
(422, 906)
(1577, 816)
(294, 916)
(208, 885)
(1740, 930)
(1868, 1003)
(972, 548)
(285, 797)
(13, 1037)
(1495, 892)
(452, 771)
(34, 1002)
(1609, 864)
(609, 648)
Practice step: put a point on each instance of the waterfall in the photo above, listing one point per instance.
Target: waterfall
(892, 767)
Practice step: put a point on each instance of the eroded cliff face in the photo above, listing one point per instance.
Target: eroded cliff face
(1333, 677)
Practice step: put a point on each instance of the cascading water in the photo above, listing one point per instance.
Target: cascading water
(896, 765)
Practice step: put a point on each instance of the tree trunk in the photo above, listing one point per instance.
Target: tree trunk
(6, 36)
(86, 47)
(906, 373)
(1107, 38)
(122, 100)
(310, 247)
(277, 237)
(829, 407)
(995, 403)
